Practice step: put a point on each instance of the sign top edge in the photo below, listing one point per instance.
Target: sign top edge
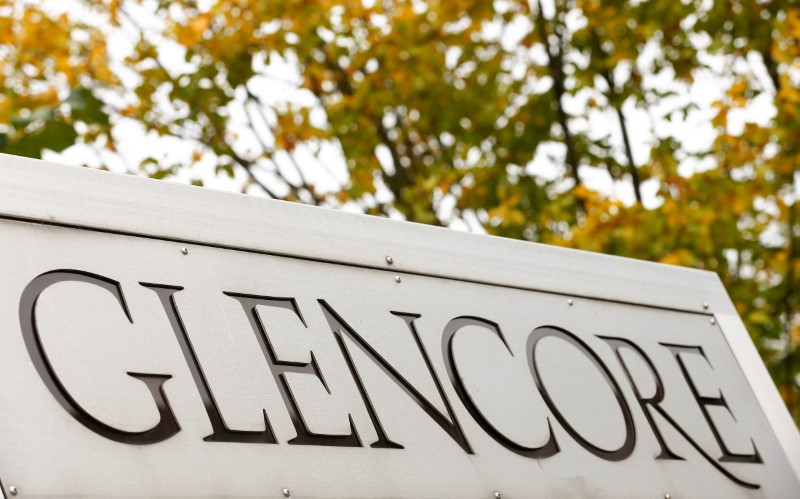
(47, 192)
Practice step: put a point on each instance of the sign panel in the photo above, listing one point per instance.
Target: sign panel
(135, 364)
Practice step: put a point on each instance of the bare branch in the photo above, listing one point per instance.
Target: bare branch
(555, 63)
(304, 184)
(613, 98)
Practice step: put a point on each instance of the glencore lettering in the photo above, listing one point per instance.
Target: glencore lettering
(168, 425)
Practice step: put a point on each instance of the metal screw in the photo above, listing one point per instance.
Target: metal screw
(713, 321)
(286, 493)
(389, 260)
(666, 496)
(185, 251)
(498, 495)
(397, 279)
(570, 302)
(705, 305)
(13, 490)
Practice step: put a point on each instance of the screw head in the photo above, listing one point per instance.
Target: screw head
(705, 305)
(498, 495)
(397, 279)
(570, 302)
(13, 490)
(286, 493)
(185, 250)
(389, 260)
(666, 496)
(713, 321)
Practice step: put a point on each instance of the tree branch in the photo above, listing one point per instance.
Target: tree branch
(400, 179)
(790, 289)
(304, 184)
(612, 99)
(555, 63)
(772, 67)
(249, 166)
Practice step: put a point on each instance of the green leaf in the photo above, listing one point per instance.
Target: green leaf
(84, 106)
(55, 136)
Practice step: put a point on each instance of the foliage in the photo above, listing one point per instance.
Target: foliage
(443, 112)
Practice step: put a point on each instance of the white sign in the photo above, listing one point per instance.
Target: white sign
(161, 340)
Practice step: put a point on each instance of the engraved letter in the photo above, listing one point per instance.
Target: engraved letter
(655, 401)
(704, 402)
(341, 329)
(548, 449)
(167, 424)
(630, 431)
(221, 431)
(280, 367)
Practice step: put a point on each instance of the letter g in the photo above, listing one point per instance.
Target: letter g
(167, 425)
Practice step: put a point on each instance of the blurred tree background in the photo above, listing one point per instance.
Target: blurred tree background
(666, 131)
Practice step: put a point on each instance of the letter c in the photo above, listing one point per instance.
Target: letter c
(548, 449)
(167, 425)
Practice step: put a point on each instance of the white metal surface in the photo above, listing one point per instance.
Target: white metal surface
(35, 190)
(132, 231)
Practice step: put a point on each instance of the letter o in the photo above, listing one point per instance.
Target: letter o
(630, 431)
